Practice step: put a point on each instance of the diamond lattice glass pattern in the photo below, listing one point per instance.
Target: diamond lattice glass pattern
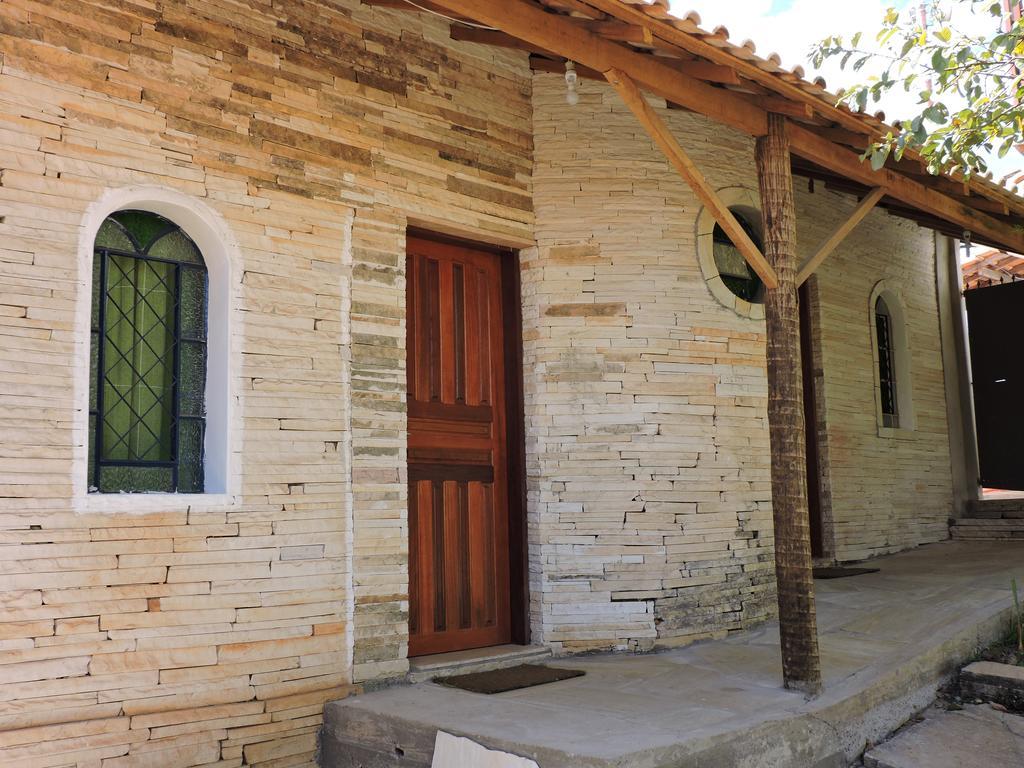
(148, 357)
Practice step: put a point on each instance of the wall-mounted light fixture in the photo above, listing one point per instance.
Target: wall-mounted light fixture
(571, 78)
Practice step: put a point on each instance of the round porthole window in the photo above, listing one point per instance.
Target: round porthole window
(727, 274)
(734, 270)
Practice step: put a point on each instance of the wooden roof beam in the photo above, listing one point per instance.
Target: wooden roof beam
(666, 141)
(575, 6)
(807, 144)
(550, 31)
(557, 66)
(693, 44)
(622, 32)
(496, 38)
(553, 32)
(701, 70)
(402, 5)
(844, 229)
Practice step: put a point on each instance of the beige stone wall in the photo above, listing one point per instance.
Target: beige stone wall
(646, 397)
(187, 631)
(890, 489)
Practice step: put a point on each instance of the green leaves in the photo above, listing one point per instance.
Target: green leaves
(879, 155)
(972, 102)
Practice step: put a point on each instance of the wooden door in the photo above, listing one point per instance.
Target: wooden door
(459, 586)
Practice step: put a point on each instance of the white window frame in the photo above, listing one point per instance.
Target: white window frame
(213, 237)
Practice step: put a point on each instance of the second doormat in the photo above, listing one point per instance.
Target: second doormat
(835, 572)
(510, 679)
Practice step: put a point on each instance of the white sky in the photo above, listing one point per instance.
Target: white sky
(791, 27)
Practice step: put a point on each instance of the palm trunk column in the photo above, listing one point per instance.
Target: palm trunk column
(801, 666)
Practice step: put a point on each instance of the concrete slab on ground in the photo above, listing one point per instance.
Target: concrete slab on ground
(888, 640)
(975, 737)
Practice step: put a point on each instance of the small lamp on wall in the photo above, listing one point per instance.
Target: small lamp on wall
(572, 97)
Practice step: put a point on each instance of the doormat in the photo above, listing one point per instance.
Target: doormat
(833, 572)
(510, 679)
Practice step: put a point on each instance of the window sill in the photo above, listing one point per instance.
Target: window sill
(897, 433)
(142, 503)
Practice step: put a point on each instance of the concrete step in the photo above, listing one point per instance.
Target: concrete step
(424, 668)
(972, 528)
(353, 739)
(1011, 508)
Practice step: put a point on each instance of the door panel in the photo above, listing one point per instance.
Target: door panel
(458, 485)
(994, 315)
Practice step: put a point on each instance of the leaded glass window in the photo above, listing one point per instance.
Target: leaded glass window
(734, 270)
(148, 357)
(886, 364)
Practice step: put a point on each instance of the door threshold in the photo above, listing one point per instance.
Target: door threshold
(424, 668)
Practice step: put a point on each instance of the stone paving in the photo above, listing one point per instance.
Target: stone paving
(977, 736)
(888, 640)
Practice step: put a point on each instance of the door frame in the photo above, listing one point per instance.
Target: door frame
(819, 497)
(515, 424)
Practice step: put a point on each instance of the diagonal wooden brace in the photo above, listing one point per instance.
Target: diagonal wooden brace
(662, 136)
(862, 210)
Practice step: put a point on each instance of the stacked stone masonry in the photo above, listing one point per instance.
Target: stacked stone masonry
(187, 631)
(646, 398)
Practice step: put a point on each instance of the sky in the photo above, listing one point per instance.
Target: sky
(791, 27)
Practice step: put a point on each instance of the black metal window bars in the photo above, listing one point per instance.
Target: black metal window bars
(148, 357)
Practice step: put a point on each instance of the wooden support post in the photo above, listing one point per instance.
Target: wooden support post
(862, 210)
(662, 135)
(801, 666)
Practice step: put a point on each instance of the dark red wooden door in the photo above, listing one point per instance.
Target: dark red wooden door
(458, 499)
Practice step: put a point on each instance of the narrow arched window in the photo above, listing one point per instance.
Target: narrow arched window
(886, 364)
(148, 357)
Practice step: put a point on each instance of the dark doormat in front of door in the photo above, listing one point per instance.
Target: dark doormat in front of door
(835, 572)
(510, 679)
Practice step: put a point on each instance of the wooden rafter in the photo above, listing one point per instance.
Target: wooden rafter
(496, 38)
(821, 151)
(526, 21)
(557, 66)
(844, 229)
(623, 32)
(695, 45)
(662, 136)
(567, 37)
(402, 5)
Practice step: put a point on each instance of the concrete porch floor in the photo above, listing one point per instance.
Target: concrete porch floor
(888, 640)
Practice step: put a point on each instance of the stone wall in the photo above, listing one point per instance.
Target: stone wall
(187, 630)
(890, 488)
(647, 433)
(646, 401)
(141, 631)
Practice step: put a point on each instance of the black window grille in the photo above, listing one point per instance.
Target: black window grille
(886, 365)
(148, 357)
(733, 268)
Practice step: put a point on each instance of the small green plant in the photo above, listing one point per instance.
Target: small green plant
(1018, 617)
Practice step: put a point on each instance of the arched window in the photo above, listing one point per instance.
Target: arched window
(892, 372)
(147, 357)
(886, 364)
(734, 270)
